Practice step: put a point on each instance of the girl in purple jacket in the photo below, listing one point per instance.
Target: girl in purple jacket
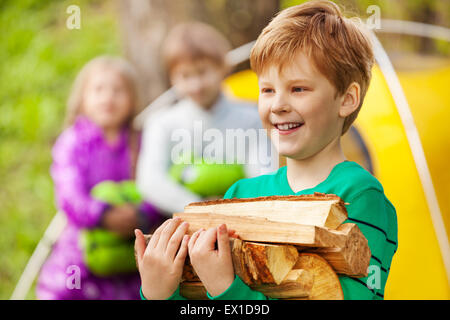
(98, 144)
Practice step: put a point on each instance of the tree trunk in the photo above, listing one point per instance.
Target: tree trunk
(145, 23)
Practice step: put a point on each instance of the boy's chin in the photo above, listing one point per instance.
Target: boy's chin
(291, 154)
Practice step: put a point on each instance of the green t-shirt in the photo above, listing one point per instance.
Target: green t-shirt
(368, 208)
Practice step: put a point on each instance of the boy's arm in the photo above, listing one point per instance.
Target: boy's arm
(152, 176)
(377, 220)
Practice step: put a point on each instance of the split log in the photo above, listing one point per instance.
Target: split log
(326, 284)
(263, 230)
(262, 263)
(298, 283)
(353, 258)
(322, 210)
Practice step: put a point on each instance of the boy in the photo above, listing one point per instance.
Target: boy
(314, 68)
(195, 57)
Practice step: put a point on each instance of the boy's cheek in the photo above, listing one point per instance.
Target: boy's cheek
(264, 114)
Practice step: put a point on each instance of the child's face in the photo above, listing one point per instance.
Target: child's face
(199, 80)
(298, 108)
(106, 99)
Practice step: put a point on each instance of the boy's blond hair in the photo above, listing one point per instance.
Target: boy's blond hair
(339, 47)
(191, 41)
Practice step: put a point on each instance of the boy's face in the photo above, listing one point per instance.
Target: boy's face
(298, 108)
(199, 80)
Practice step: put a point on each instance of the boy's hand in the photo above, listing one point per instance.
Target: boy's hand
(213, 266)
(160, 265)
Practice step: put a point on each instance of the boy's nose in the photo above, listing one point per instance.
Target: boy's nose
(195, 85)
(280, 105)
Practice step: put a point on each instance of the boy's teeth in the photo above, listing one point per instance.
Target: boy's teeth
(287, 126)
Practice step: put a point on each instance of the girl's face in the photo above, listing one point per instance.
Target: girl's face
(106, 98)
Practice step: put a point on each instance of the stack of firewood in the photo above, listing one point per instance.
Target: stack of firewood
(289, 247)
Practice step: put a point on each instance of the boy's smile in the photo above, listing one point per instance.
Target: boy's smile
(298, 106)
(286, 128)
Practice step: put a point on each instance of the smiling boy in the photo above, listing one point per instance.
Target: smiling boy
(314, 68)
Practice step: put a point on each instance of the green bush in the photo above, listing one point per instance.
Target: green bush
(39, 58)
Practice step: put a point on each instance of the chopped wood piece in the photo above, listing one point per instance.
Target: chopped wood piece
(263, 230)
(193, 290)
(326, 284)
(353, 258)
(189, 273)
(298, 283)
(317, 210)
(260, 263)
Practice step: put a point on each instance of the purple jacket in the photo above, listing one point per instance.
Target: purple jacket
(81, 159)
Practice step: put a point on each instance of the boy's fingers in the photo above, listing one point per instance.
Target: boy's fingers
(139, 244)
(208, 239)
(193, 239)
(155, 237)
(166, 234)
(223, 241)
(182, 253)
(232, 234)
(175, 240)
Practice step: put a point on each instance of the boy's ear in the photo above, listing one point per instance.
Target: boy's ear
(350, 100)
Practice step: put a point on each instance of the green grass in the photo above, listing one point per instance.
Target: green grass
(39, 58)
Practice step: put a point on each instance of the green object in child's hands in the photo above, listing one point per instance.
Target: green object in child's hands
(104, 252)
(116, 193)
(207, 179)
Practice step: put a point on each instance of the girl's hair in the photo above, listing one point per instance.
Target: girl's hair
(125, 70)
(128, 74)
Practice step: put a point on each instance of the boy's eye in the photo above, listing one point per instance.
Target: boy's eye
(266, 90)
(298, 89)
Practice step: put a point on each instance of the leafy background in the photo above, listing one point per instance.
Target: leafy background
(39, 58)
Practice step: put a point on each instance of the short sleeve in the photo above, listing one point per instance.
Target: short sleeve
(231, 191)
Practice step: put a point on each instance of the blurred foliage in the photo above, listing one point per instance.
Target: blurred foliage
(436, 12)
(39, 58)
